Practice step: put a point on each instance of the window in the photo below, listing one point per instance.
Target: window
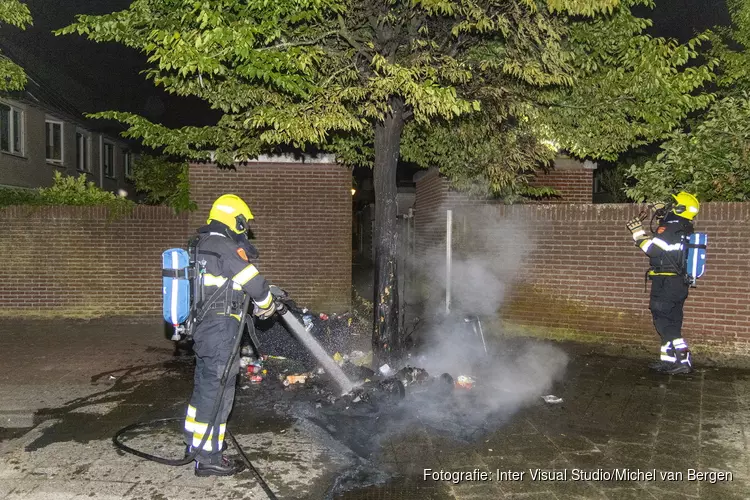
(11, 129)
(127, 163)
(108, 159)
(54, 142)
(83, 151)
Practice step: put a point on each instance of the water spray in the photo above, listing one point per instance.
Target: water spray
(313, 346)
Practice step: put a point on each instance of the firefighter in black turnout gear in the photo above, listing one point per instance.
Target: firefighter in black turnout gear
(222, 248)
(666, 250)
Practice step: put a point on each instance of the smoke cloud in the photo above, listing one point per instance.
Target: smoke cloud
(488, 254)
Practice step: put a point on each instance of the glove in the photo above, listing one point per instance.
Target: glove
(635, 226)
(265, 313)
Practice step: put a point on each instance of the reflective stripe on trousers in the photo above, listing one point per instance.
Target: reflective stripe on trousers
(214, 339)
(666, 353)
(200, 431)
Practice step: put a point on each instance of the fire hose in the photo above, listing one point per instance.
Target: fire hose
(117, 438)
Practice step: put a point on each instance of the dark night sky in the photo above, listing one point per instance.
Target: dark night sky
(682, 19)
(105, 76)
(110, 72)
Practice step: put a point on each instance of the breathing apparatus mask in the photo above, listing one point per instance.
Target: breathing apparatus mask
(683, 205)
(658, 211)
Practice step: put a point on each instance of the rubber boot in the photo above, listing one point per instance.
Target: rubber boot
(220, 465)
(684, 363)
(667, 359)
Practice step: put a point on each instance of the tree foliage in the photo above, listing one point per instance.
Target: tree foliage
(711, 161)
(163, 181)
(709, 155)
(482, 153)
(15, 13)
(319, 72)
(619, 89)
(630, 89)
(731, 46)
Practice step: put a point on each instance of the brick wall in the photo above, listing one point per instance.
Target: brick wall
(579, 275)
(79, 262)
(571, 178)
(76, 262)
(574, 181)
(303, 223)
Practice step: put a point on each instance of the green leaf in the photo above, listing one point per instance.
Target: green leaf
(12, 76)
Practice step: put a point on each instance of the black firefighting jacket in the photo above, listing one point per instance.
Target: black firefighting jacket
(666, 249)
(223, 258)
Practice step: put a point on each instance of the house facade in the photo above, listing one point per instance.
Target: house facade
(37, 140)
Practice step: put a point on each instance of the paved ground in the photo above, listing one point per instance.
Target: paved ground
(65, 388)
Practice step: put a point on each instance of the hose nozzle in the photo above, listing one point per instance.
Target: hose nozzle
(280, 307)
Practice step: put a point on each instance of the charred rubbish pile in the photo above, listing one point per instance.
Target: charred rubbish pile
(460, 389)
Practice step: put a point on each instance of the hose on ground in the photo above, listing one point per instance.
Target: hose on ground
(117, 438)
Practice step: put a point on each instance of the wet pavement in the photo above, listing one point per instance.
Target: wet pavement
(619, 432)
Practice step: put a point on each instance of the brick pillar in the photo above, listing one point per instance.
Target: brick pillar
(573, 179)
(431, 196)
(302, 226)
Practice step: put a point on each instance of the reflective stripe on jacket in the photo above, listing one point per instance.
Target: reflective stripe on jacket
(224, 259)
(665, 249)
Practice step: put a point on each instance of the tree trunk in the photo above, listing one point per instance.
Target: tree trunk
(386, 342)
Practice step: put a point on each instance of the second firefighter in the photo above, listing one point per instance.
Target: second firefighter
(666, 250)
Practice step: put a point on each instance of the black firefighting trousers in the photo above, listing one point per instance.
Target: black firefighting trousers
(214, 339)
(668, 294)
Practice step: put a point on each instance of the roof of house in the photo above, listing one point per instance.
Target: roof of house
(56, 93)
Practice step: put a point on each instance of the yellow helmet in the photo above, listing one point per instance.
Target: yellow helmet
(686, 205)
(230, 210)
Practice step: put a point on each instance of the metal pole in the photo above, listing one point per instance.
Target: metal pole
(448, 259)
(402, 271)
(361, 217)
(407, 252)
(413, 244)
(481, 334)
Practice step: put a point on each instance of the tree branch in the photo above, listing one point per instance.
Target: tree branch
(593, 105)
(460, 41)
(300, 44)
(346, 35)
(338, 72)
